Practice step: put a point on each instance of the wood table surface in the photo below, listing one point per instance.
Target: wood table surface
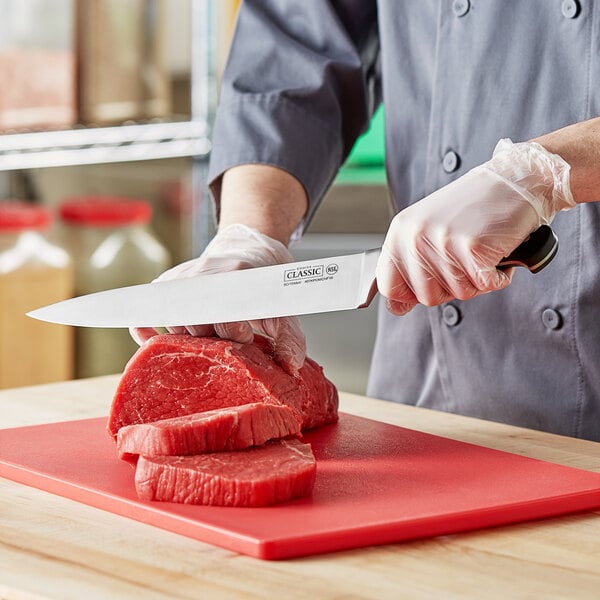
(52, 547)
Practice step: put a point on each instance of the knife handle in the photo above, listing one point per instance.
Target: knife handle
(535, 252)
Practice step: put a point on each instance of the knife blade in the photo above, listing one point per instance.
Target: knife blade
(307, 287)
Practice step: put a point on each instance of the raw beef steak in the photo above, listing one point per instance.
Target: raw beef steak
(280, 471)
(175, 375)
(218, 430)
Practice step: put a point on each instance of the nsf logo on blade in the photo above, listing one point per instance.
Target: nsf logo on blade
(309, 274)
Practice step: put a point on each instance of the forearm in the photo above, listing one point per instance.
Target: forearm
(579, 145)
(263, 197)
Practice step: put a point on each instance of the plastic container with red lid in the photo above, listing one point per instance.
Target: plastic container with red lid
(112, 246)
(34, 271)
(16, 215)
(105, 211)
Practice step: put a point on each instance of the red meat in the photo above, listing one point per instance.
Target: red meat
(176, 375)
(280, 471)
(218, 430)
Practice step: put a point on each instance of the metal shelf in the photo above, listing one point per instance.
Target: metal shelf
(126, 143)
(103, 145)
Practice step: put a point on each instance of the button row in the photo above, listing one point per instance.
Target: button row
(570, 8)
(551, 318)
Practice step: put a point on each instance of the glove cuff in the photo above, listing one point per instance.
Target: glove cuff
(542, 175)
(249, 244)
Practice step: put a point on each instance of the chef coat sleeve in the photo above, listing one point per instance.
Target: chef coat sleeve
(300, 85)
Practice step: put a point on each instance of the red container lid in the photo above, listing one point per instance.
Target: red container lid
(18, 215)
(105, 211)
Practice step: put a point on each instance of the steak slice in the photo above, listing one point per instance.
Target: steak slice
(174, 375)
(279, 471)
(218, 430)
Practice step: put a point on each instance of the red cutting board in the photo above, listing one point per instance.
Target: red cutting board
(376, 484)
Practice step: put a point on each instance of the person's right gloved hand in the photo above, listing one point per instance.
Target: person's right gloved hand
(240, 247)
(448, 244)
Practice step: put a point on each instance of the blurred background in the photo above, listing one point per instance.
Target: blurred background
(105, 122)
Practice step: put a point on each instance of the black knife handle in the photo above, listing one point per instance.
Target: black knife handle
(535, 252)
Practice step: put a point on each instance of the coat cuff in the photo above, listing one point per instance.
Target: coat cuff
(272, 130)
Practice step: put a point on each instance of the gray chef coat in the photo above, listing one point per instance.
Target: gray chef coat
(303, 79)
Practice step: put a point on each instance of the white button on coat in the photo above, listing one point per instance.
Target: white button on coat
(551, 318)
(451, 161)
(461, 7)
(570, 8)
(451, 315)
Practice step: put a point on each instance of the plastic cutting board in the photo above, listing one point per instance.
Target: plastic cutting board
(376, 484)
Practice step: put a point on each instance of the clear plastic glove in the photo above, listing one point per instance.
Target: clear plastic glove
(447, 245)
(240, 247)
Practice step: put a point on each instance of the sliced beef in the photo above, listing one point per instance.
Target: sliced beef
(176, 375)
(279, 471)
(231, 428)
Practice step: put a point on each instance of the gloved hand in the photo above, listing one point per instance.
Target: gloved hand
(447, 245)
(240, 247)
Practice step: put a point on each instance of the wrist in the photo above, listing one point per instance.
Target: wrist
(264, 198)
(542, 177)
(579, 145)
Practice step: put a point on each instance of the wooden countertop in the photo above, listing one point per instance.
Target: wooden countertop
(51, 547)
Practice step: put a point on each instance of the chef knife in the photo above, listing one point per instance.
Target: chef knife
(307, 287)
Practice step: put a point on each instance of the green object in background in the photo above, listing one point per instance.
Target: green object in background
(366, 162)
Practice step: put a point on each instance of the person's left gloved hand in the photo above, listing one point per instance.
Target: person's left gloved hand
(239, 247)
(447, 245)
